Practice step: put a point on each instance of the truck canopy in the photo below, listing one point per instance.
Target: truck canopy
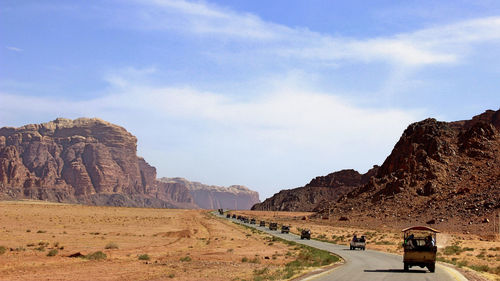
(422, 228)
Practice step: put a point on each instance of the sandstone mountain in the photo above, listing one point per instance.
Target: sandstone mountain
(86, 161)
(438, 172)
(319, 191)
(235, 197)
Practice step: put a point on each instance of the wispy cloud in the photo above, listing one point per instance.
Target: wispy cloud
(437, 45)
(13, 49)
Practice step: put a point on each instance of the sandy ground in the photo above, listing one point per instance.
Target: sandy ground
(181, 244)
(466, 250)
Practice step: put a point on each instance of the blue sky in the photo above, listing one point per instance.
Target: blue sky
(268, 94)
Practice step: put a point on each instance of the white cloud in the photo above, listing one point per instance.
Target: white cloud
(437, 45)
(14, 49)
(285, 114)
(218, 139)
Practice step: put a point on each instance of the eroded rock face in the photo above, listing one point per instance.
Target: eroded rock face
(235, 197)
(84, 160)
(319, 192)
(437, 170)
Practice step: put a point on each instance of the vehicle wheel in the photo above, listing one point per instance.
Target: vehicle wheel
(350, 248)
(363, 248)
(431, 267)
(407, 267)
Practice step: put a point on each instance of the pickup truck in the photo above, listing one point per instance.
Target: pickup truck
(285, 229)
(305, 234)
(358, 243)
(273, 226)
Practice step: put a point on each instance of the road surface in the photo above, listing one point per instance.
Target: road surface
(367, 265)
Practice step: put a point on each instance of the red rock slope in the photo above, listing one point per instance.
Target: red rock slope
(438, 172)
(86, 161)
(319, 191)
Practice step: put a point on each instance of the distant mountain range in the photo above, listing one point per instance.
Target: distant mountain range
(91, 161)
(234, 197)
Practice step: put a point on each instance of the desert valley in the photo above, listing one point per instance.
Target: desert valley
(445, 175)
(249, 140)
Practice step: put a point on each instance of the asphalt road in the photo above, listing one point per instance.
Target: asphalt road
(367, 265)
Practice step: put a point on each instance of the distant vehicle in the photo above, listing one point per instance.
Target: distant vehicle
(228, 216)
(273, 226)
(358, 243)
(285, 229)
(419, 247)
(239, 218)
(234, 216)
(221, 211)
(262, 223)
(253, 221)
(305, 234)
(245, 220)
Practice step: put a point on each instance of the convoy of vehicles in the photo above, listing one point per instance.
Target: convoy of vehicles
(419, 243)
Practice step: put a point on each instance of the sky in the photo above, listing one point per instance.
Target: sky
(266, 94)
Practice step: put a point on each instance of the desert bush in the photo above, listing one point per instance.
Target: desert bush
(2, 250)
(384, 242)
(244, 259)
(481, 268)
(20, 249)
(452, 250)
(41, 231)
(254, 260)
(111, 245)
(171, 275)
(52, 253)
(96, 256)
(144, 257)
(28, 230)
(40, 248)
(185, 259)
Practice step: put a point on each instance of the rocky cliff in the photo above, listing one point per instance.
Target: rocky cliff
(235, 197)
(438, 172)
(86, 161)
(318, 192)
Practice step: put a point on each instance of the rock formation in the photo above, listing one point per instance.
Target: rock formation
(319, 191)
(235, 197)
(437, 172)
(86, 161)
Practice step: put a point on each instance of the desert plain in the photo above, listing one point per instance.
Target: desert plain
(138, 244)
(37, 240)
